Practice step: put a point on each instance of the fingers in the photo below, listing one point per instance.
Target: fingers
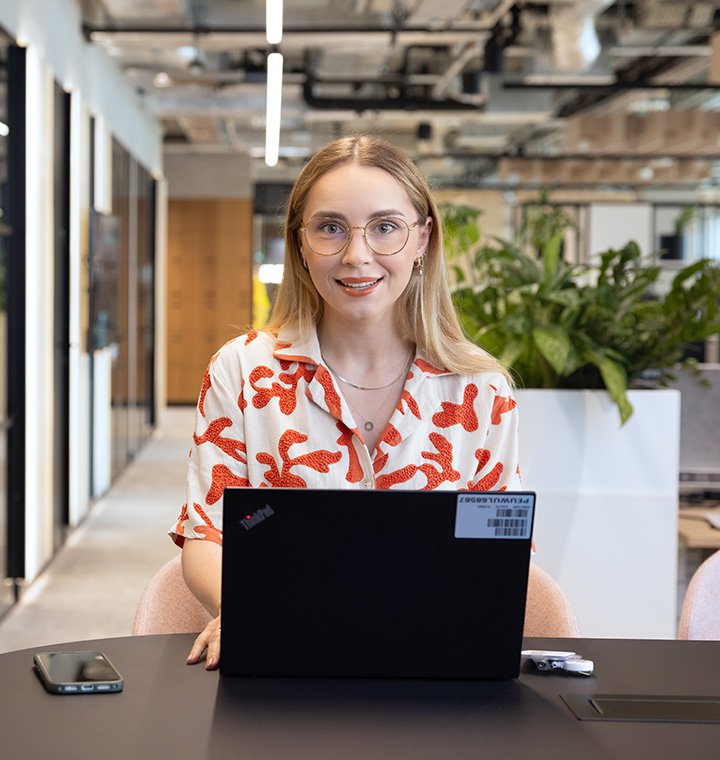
(213, 651)
(208, 641)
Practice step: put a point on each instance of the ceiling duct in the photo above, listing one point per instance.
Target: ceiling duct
(422, 83)
(392, 99)
(572, 26)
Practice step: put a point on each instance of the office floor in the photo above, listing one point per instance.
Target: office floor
(91, 587)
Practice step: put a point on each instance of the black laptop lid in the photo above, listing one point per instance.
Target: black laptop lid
(405, 584)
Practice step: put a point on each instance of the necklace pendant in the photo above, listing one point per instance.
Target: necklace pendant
(369, 426)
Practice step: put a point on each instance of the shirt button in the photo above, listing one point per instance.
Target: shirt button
(367, 483)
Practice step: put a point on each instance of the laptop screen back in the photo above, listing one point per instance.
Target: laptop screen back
(401, 584)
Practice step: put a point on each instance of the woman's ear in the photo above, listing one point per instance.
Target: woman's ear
(424, 238)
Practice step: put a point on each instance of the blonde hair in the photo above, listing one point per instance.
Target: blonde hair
(426, 312)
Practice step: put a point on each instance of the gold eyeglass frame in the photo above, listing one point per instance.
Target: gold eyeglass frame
(349, 229)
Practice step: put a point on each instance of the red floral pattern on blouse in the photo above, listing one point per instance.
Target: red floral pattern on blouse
(270, 414)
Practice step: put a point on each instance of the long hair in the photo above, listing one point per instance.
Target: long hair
(426, 315)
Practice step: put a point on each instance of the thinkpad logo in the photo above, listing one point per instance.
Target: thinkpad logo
(261, 514)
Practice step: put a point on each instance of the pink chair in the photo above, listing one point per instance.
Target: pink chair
(168, 606)
(548, 612)
(700, 614)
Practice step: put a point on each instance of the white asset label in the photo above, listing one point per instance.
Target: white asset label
(494, 515)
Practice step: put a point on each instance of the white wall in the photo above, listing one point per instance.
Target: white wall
(192, 175)
(56, 50)
(39, 297)
(611, 225)
(54, 29)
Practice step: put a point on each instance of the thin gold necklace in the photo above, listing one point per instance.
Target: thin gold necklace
(367, 387)
(369, 424)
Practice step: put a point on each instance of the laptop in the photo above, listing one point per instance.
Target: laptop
(374, 584)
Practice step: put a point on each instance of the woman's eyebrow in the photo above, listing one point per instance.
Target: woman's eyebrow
(329, 215)
(388, 212)
(374, 215)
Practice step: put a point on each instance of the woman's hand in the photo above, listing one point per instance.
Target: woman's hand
(202, 570)
(208, 640)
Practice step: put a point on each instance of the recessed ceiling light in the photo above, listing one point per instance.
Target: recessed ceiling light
(162, 79)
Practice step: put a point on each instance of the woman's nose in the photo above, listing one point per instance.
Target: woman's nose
(357, 250)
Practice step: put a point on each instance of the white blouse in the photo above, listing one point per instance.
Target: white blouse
(271, 414)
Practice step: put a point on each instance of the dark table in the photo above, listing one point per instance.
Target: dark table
(171, 710)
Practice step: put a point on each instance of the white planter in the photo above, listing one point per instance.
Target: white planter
(606, 522)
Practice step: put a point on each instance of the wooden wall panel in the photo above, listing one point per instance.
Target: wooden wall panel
(209, 281)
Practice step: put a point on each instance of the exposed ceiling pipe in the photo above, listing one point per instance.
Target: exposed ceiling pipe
(609, 87)
(441, 35)
(468, 53)
(388, 103)
(572, 27)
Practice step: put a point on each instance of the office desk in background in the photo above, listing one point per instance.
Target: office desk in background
(694, 531)
(171, 710)
(697, 540)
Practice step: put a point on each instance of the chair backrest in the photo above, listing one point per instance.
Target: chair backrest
(700, 614)
(548, 612)
(168, 606)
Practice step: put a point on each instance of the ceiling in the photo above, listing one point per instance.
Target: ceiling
(481, 92)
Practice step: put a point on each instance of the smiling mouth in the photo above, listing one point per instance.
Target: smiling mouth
(359, 285)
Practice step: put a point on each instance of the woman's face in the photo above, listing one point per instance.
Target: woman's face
(356, 283)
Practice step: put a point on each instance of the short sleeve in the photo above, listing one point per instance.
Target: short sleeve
(217, 456)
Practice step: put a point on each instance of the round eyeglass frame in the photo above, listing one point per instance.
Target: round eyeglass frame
(303, 229)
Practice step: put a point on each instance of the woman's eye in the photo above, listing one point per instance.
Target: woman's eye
(331, 228)
(384, 227)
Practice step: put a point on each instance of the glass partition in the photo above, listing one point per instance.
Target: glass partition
(6, 593)
(122, 319)
(686, 233)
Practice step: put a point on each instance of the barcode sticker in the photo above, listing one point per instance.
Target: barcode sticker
(494, 515)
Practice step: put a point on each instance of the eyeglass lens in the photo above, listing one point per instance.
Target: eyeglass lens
(385, 236)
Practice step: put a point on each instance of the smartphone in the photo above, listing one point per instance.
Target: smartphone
(77, 672)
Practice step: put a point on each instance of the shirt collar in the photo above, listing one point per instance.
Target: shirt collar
(294, 349)
(307, 351)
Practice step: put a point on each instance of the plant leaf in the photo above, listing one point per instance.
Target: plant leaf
(613, 375)
(553, 344)
(551, 256)
(510, 352)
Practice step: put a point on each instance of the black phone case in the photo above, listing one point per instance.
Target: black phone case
(107, 686)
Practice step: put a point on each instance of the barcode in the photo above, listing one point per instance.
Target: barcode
(521, 532)
(507, 523)
(509, 527)
(512, 512)
(495, 516)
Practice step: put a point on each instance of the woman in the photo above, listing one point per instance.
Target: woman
(361, 379)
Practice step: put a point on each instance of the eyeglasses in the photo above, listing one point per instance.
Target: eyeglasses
(385, 236)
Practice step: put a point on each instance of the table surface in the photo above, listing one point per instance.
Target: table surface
(694, 531)
(171, 710)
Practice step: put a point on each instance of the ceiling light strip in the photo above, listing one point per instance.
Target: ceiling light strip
(274, 21)
(274, 108)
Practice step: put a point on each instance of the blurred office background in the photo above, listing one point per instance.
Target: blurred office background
(140, 213)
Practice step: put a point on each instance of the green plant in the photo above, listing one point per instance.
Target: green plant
(556, 325)
(683, 219)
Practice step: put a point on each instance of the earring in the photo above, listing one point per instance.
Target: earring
(418, 265)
